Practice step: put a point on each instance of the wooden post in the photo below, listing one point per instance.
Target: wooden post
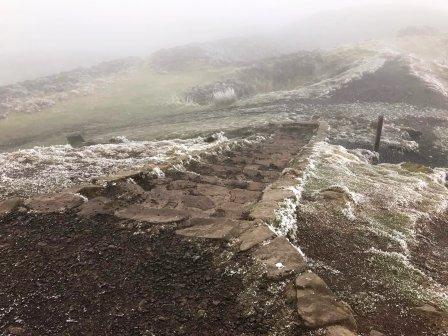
(379, 130)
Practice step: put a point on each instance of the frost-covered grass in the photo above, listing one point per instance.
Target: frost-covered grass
(387, 201)
(351, 68)
(48, 169)
(134, 99)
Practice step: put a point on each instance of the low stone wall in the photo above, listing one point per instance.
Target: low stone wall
(317, 306)
(279, 201)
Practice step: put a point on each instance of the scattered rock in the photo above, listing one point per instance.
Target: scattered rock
(87, 190)
(317, 310)
(55, 203)
(76, 140)
(140, 212)
(280, 258)
(317, 305)
(376, 333)
(311, 281)
(254, 237)
(16, 330)
(97, 206)
(338, 331)
(413, 133)
(10, 205)
(211, 138)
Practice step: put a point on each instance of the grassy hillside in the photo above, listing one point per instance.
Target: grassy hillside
(142, 97)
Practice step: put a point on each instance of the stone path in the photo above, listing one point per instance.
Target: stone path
(206, 216)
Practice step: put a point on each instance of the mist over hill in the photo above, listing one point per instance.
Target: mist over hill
(324, 30)
(249, 172)
(357, 24)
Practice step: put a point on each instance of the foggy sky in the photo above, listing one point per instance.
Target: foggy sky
(92, 30)
(135, 26)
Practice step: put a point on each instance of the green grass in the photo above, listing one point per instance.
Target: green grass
(140, 98)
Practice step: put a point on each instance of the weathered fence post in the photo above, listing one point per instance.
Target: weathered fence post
(379, 131)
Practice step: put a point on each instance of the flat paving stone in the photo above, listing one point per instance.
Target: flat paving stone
(181, 285)
(313, 282)
(220, 228)
(54, 203)
(199, 202)
(254, 237)
(319, 311)
(280, 258)
(160, 197)
(97, 206)
(338, 331)
(143, 213)
(244, 196)
(181, 184)
(317, 305)
(256, 186)
(233, 210)
(264, 211)
(213, 190)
